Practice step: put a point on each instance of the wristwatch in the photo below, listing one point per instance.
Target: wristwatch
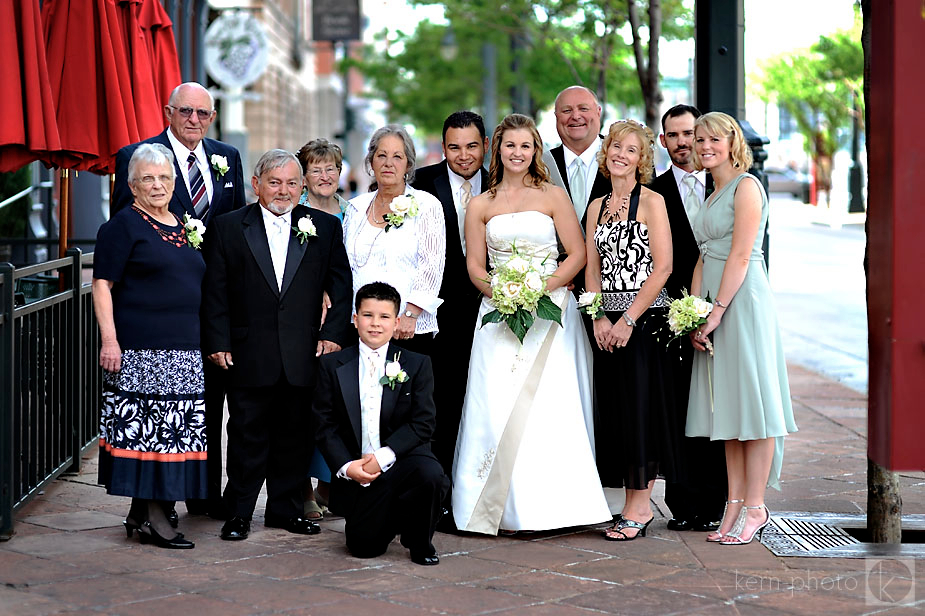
(410, 314)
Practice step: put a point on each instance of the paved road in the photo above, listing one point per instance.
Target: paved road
(817, 275)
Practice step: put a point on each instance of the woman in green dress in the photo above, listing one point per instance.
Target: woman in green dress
(739, 391)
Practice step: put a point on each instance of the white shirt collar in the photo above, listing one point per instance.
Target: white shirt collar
(182, 152)
(456, 181)
(269, 218)
(588, 157)
(367, 352)
(679, 173)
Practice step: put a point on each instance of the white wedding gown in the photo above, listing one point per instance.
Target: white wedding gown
(527, 430)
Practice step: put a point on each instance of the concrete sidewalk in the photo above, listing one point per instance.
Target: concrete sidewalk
(70, 555)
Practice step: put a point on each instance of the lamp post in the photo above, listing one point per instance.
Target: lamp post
(856, 204)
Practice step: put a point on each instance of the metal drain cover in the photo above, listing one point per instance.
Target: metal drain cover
(816, 535)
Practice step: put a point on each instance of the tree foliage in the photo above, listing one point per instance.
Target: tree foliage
(556, 43)
(821, 88)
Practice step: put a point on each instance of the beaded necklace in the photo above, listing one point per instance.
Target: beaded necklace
(177, 238)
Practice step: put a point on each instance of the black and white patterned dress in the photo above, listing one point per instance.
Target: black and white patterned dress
(152, 422)
(637, 432)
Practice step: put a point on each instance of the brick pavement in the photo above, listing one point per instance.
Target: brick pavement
(70, 554)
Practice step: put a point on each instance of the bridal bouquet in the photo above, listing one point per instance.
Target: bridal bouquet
(517, 291)
(687, 314)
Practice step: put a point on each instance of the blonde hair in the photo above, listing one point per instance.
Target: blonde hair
(645, 169)
(538, 173)
(719, 124)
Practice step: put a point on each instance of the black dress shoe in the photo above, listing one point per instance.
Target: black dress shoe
(427, 561)
(147, 534)
(680, 524)
(236, 529)
(172, 518)
(706, 526)
(297, 525)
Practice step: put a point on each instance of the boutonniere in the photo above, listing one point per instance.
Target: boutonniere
(592, 304)
(402, 207)
(305, 229)
(393, 373)
(220, 164)
(194, 230)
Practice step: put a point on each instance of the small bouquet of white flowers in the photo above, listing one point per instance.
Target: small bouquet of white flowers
(305, 229)
(592, 304)
(517, 291)
(220, 164)
(687, 314)
(401, 207)
(194, 230)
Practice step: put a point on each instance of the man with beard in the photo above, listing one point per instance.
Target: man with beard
(269, 265)
(697, 502)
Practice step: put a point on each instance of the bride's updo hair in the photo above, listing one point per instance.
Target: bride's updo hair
(537, 173)
(645, 168)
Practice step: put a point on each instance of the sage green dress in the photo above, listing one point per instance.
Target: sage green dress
(742, 392)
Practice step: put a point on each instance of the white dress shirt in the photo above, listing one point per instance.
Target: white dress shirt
(589, 158)
(278, 229)
(410, 258)
(372, 367)
(456, 182)
(700, 185)
(182, 153)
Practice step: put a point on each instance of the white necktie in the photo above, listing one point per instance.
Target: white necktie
(465, 194)
(279, 240)
(576, 184)
(691, 199)
(370, 431)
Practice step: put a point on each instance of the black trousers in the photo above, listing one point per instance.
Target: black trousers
(270, 438)
(405, 500)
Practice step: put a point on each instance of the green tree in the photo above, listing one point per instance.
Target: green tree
(821, 88)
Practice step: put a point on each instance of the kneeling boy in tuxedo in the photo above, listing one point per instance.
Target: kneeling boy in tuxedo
(375, 412)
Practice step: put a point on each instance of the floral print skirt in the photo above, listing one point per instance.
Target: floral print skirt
(152, 426)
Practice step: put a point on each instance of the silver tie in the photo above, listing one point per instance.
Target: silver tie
(691, 199)
(465, 195)
(576, 184)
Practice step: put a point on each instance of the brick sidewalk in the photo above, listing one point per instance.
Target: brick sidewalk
(70, 554)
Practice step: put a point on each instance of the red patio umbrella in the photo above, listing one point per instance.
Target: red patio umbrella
(28, 129)
(162, 49)
(148, 111)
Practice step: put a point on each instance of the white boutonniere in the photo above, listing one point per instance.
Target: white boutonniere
(393, 373)
(305, 229)
(402, 207)
(194, 230)
(592, 304)
(220, 164)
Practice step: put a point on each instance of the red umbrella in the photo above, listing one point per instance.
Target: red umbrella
(162, 49)
(148, 110)
(28, 129)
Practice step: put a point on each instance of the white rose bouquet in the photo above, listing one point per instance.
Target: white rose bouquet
(305, 229)
(517, 292)
(194, 230)
(592, 304)
(687, 314)
(401, 207)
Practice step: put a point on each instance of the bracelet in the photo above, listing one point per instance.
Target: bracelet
(720, 304)
(629, 320)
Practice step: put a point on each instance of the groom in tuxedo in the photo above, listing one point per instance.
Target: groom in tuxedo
(269, 265)
(697, 502)
(375, 416)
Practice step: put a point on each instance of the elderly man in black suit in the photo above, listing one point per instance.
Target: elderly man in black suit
(269, 265)
(696, 503)
(454, 181)
(210, 182)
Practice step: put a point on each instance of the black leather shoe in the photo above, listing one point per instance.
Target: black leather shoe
(427, 561)
(236, 529)
(706, 526)
(297, 525)
(172, 518)
(147, 534)
(680, 524)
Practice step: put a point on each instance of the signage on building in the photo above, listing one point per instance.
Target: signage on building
(336, 20)
(236, 49)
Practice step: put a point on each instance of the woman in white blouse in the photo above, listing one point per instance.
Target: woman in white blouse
(406, 252)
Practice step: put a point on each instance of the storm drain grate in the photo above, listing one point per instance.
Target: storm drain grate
(803, 535)
(809, 534)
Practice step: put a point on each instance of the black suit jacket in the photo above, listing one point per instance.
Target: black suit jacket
(601, 184)
(682, 237)
(227, 190)
(271, 331)
(406, 421)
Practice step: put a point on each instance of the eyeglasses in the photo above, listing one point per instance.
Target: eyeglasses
(317, 172)
(202, 114)
(147, 180)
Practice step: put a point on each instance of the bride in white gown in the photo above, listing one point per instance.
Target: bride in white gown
(526, 422)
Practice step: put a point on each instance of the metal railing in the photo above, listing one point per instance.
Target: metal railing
(50, 380)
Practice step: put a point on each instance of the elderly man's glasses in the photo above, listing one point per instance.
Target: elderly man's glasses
(147, 180)
(202, 114)
(317, 172)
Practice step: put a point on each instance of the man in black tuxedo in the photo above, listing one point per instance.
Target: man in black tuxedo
(375, 412)
(454, 180)
(268, 266)
(190, 112)
(696, 503)
(573, 164)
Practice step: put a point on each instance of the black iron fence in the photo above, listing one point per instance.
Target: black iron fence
(50, 379)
